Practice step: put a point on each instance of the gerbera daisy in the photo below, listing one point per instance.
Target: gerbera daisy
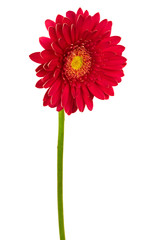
(80, 61)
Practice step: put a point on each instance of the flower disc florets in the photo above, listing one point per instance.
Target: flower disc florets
(80, 60)
(77, 63)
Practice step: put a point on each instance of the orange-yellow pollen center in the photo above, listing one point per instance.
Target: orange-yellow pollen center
(77, 62)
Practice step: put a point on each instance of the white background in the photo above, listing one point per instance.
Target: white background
(111, 156)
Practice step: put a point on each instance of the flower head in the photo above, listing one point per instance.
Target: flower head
(80, 61)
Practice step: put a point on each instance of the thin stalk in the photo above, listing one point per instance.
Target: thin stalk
(60, 173)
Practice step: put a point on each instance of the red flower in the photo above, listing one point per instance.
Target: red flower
(80, 60)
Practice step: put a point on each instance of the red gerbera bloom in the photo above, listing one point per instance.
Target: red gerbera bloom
(81, 60)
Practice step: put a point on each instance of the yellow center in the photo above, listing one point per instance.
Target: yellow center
(77, 62)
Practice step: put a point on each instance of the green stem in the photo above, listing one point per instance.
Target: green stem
(60, 173)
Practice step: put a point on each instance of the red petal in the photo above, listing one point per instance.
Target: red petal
(118, 80)
(73, 33)
(89, 103)
(118, 49)
(52, 33)
(73, 91)
(58, 30)
(56, 48)
(117, 58)
(92, 35)
(48, 83)
(80, 100)
(46, 99)
(59, 18)
(87, 98)
(56, 73)
(79, 24)
(67, 101)
(56, 85)
(65, 95)
(66, 33)
(71, 15)
(107, 90)
(56, 98)
(59, 108)
(109, 81)
(95, 20)
(102, 26)
(47, 55)
(67, 20)
(52, 64)
(79, 12)
(86, 13)
(105, 30)
(104, 62)
(106, 96)
(102, 45)
(41, 73)
(40, 67)
(106, 55)
(69, 106)
(39, 84)
(36, 57)
(114, 67)
(96, 91)
(62, 43)
(114, 73)
(109, 26)
(114, 40)
(45, 42)
(86, 34)
(74, 107)
(49, 23)
(107, 43)
(45, 67)
(86, 24)
(48, 76)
